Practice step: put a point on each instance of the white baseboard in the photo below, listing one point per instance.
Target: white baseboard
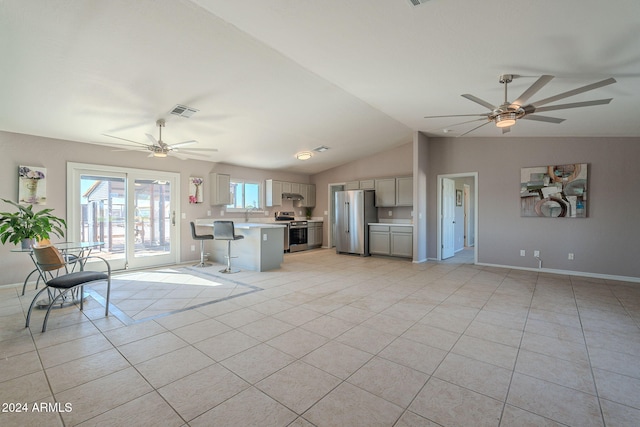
(567, 272)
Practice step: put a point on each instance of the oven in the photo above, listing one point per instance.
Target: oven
(295, 233)
(298, 236)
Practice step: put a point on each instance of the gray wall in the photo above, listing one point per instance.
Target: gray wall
(53, 154)
(394, 162)
(604, 243)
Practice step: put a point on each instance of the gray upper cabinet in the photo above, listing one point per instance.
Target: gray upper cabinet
(273, 193)
(219, 189)
(352, 185)
(385, 192)
(404, 191)
(274, 189)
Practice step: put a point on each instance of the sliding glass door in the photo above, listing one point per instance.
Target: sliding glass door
(131, 211)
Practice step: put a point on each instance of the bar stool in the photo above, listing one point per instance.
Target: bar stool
(224, 230)
(202, 238)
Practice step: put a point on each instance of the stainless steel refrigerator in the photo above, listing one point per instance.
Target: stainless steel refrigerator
(354, 210)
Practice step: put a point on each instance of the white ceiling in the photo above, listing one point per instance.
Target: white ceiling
(275, 77)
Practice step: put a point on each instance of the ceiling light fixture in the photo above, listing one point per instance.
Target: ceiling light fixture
(159, 154)
(304, 155)
(505, 120)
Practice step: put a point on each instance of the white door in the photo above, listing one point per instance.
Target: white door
(133, 212)
(448, 217)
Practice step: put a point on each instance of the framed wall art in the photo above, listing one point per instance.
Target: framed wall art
(458, 197)
(32, 186)
(195, 189)
(556, 191)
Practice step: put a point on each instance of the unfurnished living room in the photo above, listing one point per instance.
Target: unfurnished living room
(319, 213)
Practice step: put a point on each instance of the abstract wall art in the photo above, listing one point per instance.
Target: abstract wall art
(556, 191)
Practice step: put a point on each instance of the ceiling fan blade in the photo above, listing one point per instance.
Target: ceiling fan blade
(131, 149)
(152, 139)
(533, 89)
(477, 127)
(574, 105)
(574, 92)
(183, 143)
(465, 122)
(124, 139)
(195, 149)
(190, 153)
(458, 115)
(479, 101)
(543, 118)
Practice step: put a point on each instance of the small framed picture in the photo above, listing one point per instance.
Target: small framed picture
(458, 197)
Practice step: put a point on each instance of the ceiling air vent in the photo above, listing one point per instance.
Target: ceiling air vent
(417, 2)
(183, 111)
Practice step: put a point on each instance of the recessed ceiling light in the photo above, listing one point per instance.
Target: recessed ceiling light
(304, 155)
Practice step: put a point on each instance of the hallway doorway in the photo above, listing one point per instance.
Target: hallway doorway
(457, 230)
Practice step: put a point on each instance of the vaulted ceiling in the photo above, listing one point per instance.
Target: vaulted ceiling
(271, 78)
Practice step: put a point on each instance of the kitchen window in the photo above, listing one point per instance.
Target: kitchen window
(245, 195)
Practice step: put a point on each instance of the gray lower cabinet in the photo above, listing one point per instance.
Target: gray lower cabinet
(391, 240)
(314, 234)
(379, 240)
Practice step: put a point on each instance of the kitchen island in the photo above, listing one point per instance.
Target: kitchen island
(262, 248)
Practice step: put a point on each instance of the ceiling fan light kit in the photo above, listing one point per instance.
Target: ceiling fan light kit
(506, 115)
(505, 120)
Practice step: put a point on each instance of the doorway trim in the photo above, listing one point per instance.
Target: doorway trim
(476, 245)
(74, 171)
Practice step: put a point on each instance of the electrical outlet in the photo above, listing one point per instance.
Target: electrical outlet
(571, 256)
(536, 254)
(390, 213)
(193, 248)
(522, 252)
(183, 215)
(209, 213)
(221, 213)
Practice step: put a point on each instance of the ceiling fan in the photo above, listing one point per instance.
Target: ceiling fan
(506, 114)
(159, 148)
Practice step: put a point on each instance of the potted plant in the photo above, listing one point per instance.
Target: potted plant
(26, 226)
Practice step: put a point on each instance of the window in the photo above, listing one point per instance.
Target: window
(245, 195)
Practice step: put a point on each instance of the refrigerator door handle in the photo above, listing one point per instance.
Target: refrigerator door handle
(346, 215)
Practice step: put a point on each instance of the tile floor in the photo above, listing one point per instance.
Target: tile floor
(336, 340)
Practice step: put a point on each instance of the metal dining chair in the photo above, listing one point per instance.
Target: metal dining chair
(52, 267)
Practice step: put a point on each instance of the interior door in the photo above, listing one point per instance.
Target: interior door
(448, 217)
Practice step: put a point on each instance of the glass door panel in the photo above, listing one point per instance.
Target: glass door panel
(103, 215)
(152, 222)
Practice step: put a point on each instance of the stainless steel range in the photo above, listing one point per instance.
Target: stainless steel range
(295, 235)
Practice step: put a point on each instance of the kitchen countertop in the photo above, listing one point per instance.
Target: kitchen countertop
(394, 224)
(241, 225)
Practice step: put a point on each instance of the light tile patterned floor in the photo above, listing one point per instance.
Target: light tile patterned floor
(332, 340)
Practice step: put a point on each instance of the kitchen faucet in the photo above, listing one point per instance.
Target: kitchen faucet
(246, 213)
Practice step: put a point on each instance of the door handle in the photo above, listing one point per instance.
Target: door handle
(346, 215)
(173, 218)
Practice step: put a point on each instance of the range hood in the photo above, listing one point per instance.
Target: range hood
(292, 196)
